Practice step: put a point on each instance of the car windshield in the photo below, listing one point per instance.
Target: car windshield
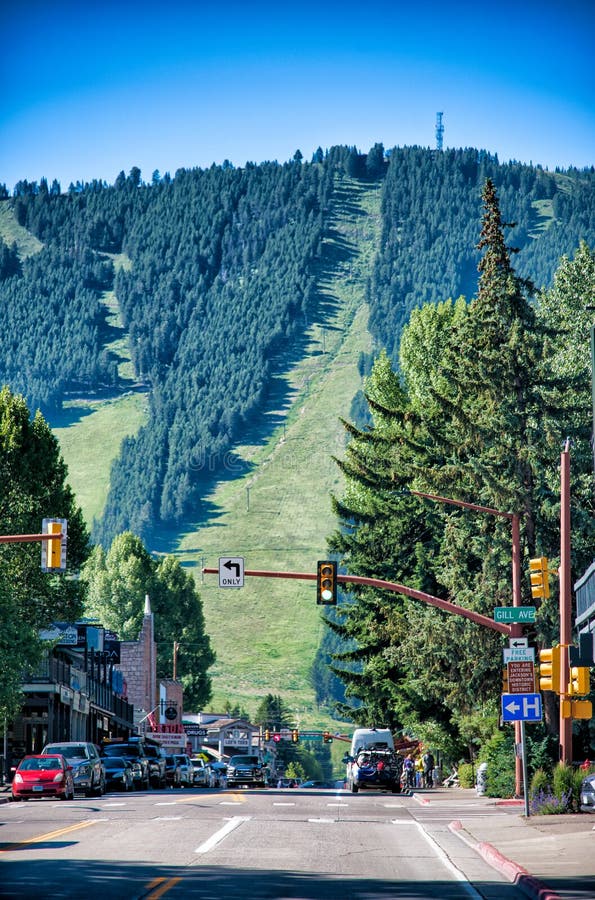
(117, 763)
(47, 763)
(71, 752)
(244, 760)
(121, 750)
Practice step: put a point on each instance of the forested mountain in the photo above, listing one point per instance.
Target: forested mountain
(222, 284)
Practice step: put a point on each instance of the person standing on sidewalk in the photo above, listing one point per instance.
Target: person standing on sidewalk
(428, 761)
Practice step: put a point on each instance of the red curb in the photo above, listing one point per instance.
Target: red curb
(516, 873)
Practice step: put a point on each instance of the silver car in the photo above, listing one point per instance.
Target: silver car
(87, 766)
(588, 794)
(186, 769)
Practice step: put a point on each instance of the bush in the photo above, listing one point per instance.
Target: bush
(540, 782)
(558, 793)
(466, 775)
(498, 753)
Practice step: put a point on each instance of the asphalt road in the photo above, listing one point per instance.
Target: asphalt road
(248, 844)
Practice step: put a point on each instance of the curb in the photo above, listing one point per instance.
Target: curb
(516, 874)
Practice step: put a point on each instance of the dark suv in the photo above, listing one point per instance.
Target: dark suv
(156, 757)
(135, 752)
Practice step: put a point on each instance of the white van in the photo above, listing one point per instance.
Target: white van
(371, 739)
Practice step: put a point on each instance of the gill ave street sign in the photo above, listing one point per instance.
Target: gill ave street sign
(514, 614)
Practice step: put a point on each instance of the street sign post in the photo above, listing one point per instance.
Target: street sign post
(514, 614)
(521, 708)
(231, 571)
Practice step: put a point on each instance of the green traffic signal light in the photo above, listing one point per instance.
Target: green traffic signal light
(326, 582)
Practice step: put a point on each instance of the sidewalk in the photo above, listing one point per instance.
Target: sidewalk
(547, 857)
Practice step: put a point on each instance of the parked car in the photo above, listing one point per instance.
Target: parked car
(43, 776)
(200, 772)
(186, 769)
(173, 773)
(246, 769)
(135, 752)
(588, 794)
(88, 772)
(156, 756)
(216, 774)
(119, 773)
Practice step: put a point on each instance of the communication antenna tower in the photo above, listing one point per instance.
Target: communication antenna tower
(439, 130)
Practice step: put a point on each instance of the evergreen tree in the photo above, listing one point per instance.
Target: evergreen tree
(486, 430)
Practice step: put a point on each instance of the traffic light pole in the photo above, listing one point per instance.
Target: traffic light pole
(396, 588)
(565, 601)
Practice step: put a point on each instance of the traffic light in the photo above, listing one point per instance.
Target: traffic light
(327, 737)
(267, 734)
(540, 577)
(505, 679)
(326, 582)
(580, 681)
(295, 736)
(549, 669)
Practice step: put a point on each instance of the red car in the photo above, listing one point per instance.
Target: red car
(43, 776)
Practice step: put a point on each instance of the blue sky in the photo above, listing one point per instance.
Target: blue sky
(92, 88)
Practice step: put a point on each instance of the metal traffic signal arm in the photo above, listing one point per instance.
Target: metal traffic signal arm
(54, 538)
(396, 588)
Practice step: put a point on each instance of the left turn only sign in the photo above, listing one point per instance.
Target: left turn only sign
(231, 571)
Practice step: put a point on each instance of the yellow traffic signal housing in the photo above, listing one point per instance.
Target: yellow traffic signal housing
(582, 709)
(295, 736)
(326, 582)
(53, 559)
(540, 580)
(549, 669)
(267, 734)
(580, 681)
(505, 679)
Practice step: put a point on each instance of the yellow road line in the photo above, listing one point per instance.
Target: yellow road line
(238, 798)
(48, 836)
(160, 886)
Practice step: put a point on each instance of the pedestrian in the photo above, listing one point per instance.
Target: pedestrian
(409, 768)
(419, 772)
(428, 762)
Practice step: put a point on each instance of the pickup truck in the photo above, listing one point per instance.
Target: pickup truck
(246, 769)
